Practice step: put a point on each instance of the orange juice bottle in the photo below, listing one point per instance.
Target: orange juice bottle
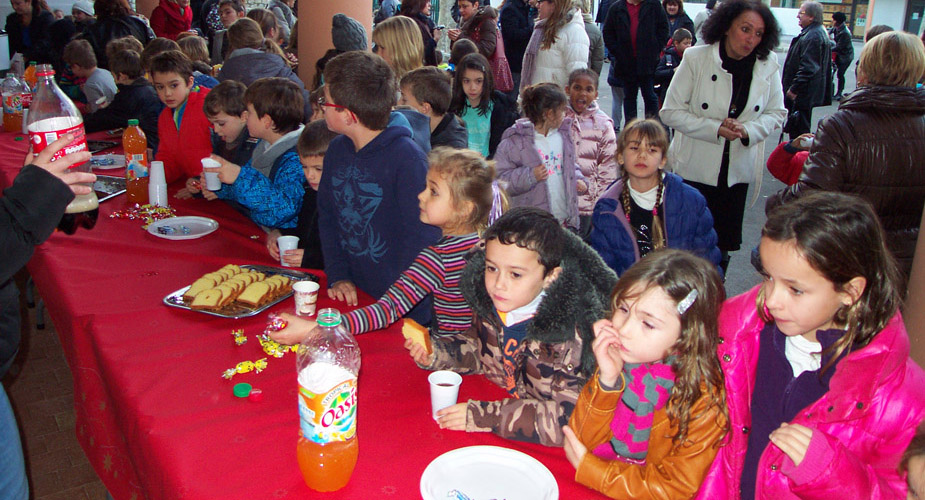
(12, 103)
(136, 163)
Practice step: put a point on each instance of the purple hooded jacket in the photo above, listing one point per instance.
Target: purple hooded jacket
(517, 156)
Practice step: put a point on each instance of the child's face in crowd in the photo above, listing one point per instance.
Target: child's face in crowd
(799, 298)
(472, 81)
(436, 203)
(408, 99)
(916, 478)
(228, 127)
(228, 16)
(312, 167)
(337, 119)
(648, 326)
(641, 160)
(682, 46)
(258, 127)
(581, 93)
(514, 275)
(171, 88)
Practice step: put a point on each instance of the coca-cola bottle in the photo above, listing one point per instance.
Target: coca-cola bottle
(51, 115)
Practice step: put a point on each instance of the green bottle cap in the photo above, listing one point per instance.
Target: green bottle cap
(133, 122)
(329, 317)
(242, 390)
(32, 63)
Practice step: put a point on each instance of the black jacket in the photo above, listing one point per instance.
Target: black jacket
(451, 131)
(667, 65)
(104, 30)
(307, 231)
(682, 20)
(516, 30)
(651, 37)
(39, 48)
(844, 49)
(503, 115)
(426, 26)
(808, 68)
(136, 100)
(29, 211)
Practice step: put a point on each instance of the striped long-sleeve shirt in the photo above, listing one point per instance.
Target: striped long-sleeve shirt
(435, 270)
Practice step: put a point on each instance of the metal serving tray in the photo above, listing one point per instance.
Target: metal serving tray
(236, 310)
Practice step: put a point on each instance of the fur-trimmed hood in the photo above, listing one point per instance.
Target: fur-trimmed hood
(574, 301)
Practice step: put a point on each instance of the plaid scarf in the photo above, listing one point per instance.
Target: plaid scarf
(648, 388)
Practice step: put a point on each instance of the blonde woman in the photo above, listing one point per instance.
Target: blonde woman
(558, 46)
(398, 41)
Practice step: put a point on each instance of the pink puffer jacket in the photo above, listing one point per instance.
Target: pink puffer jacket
(861, 426)
(596, 150)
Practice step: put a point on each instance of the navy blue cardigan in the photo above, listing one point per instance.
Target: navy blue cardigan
(688, 225)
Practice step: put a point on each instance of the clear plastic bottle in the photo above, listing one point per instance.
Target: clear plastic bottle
(328, 363)
(11, 90)
(52, 115)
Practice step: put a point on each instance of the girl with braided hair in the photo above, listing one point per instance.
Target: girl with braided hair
(647, 208)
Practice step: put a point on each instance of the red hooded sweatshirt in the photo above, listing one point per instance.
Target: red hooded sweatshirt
(168, 22)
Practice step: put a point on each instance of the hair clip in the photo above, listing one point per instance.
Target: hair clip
(497, 206)
(686, 302)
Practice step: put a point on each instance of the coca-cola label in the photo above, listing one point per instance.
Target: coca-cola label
(41, 140)
(26, 100)
(12, 104)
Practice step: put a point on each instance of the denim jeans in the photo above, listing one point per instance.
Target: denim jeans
(13, 484)
(631, 88)
(616, 111)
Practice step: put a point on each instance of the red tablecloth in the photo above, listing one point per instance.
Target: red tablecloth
(154, 415)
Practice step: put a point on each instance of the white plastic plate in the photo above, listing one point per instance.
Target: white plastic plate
(198, 227)
(487, 472)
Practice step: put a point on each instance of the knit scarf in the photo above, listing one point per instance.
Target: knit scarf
(533, 48)
(647, 390)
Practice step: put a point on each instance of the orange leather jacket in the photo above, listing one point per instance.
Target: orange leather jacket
(668, 473)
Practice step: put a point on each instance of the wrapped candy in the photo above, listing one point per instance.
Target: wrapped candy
(246, 366)
(239, 337)
(146, 213)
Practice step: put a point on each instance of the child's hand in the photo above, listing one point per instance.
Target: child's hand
(272, 244)
(453, 417)
(183, 194)
(574, 449)
(540, 172)
(227, 173)
(344, 290)
(582, 187)
(294, 257)
(297, 329)
(793, 440)
(419, 353)
(606, 348)
(209, 195)
(193, 185)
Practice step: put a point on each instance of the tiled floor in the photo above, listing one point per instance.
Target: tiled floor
(42, 394)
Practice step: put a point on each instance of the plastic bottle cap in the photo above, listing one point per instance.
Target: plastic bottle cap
(133, 122)
(256, 395)
(329, 317)
(18, 138)
(242, 390)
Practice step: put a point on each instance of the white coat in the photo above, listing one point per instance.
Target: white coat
(696, 104)
(568, 53)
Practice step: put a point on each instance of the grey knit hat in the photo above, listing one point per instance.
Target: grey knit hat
(84, 6)
(347, 34)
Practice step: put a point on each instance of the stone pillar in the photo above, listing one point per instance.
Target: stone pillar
(315, 29)
(914, 308)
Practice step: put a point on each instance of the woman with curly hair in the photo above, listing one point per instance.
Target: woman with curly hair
(558, 46)
(723, 102)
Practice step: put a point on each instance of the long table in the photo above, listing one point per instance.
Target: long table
(153, 413)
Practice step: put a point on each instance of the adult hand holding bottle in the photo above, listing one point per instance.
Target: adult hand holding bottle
(79, 182)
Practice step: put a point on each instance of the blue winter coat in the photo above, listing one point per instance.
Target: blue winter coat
(688, 225)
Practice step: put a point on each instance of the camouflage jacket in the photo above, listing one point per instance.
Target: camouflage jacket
(556, 358)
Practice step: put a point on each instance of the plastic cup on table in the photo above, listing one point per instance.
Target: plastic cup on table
(444, 389)
(306, 297)
(212, 181)
(286, 243)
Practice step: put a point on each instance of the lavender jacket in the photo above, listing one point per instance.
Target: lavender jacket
(517, 156)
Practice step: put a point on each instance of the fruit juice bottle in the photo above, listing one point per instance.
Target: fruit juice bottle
(11, 90)
(136, 163)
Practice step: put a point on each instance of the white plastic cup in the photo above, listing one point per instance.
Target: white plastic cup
(157, 194)
(156, 174)
(211, 178)
(286, 243)
(306, 297)
(444, 390)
